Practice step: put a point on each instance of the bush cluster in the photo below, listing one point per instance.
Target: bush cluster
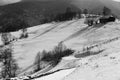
(53, 56)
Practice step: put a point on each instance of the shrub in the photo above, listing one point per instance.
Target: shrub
(57, 53)
(6, 38)
(24, 33)
(88, 52)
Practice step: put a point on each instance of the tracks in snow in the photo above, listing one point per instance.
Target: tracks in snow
(53, 27)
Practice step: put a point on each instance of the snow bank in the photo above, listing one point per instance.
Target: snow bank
(57, 76)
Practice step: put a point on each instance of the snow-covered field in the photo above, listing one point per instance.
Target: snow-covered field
(75, 35)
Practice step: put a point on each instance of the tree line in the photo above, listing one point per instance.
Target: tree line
(14, 22)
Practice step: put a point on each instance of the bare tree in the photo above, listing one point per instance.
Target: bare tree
(60, 48)
(37, 62)
(10, 66)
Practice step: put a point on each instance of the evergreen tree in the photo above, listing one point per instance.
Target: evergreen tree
(85, 11)
(68, 10)
(106, 11)
(79, 13)
(68, 14)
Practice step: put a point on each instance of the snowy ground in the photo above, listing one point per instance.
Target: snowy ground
(103, 68)
(76, 35)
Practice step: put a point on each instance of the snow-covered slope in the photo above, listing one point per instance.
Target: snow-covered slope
(43, 37)
(76, 35)
(97, 68)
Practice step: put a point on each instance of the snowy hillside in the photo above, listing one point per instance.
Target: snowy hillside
(75, 35)
(44, 37)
